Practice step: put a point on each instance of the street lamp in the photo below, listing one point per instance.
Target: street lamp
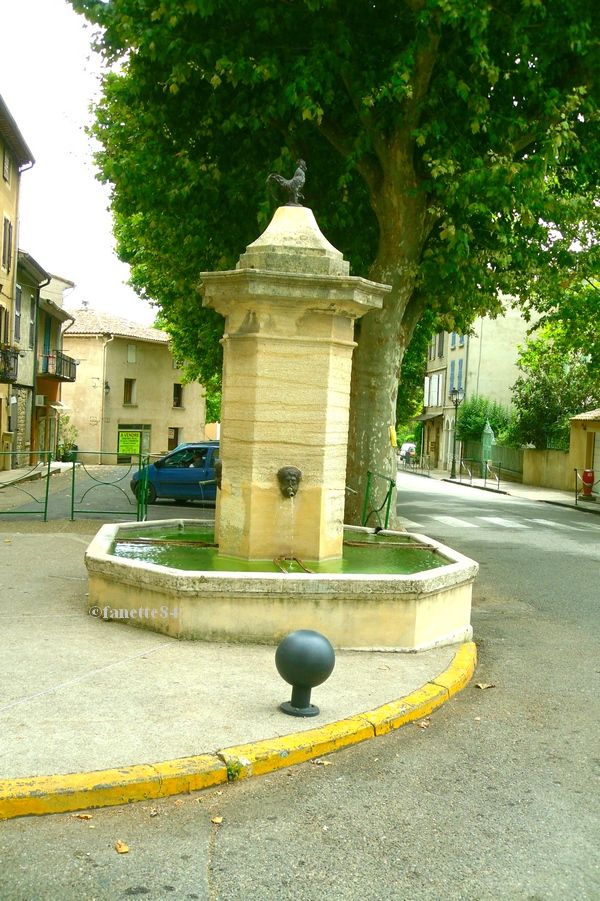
(456, 397)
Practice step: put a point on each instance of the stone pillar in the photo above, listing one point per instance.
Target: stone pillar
(289, 310)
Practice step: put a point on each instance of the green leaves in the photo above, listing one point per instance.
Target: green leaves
(473, 415)
(558, 382)
(452, 147)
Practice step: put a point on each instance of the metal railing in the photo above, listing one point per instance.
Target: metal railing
(420, 465)
(140, 499)
(488, 470)
(59, 364)
(16, 477)
(464, 464)
(370, 504)
(9, 364)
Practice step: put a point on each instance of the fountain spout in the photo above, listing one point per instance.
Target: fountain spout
(289, 480)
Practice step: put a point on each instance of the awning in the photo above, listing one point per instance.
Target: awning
(58, 405)
(425, 417)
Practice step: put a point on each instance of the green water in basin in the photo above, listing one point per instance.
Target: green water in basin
(363, 554)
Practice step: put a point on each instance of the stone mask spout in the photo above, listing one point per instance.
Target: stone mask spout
(289, 480)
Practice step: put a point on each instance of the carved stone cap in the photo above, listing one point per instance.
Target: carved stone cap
(293, 242)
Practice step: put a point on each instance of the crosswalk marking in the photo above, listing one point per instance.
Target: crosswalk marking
(455, 521)
(505, 523)
(557, 525)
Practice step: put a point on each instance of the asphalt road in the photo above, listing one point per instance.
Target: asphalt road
(495, 796)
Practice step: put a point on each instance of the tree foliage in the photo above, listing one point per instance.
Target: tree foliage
(557, 383)
(473, 414)
(573, 319)
(452, 150)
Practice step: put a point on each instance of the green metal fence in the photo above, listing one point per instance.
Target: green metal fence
(371, 506)
(24, 472)
(85, 480)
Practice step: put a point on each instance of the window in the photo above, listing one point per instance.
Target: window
(4, 320)
(441, 344)
(453, 339)
(129, 392)
(131, 351)
(18, 299)
(186, 458)
(460, 373)
(7, 239)
(5, 164)
(426, 392)
(452, 373)
(31, 321)
(461, 340)
(177, 395)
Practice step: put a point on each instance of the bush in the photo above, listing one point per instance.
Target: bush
(473, 415)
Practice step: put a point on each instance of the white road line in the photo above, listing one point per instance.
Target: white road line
(455, 522)
(505, 523)
(557, 525)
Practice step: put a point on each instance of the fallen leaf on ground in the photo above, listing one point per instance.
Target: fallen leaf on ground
(484, 685)
(318, 761)
(81, 816)
(217, 820)
(153, 812)
(178, 802)
(423, 724)
(121, 847)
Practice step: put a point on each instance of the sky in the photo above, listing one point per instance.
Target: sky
(48, 77)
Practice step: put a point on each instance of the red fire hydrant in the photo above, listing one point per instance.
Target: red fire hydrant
(588, 482)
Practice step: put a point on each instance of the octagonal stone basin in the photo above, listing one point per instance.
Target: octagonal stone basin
(388, 610)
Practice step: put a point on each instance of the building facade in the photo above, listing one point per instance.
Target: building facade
(15, 157)
(480, 364)
(54, 367)
(129, 396)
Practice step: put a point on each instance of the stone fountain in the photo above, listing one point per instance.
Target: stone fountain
(289, 309)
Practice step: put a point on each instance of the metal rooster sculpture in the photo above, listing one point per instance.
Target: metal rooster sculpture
(292, 186)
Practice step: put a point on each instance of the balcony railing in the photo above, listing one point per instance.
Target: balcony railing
(9, 364)
(59, 365)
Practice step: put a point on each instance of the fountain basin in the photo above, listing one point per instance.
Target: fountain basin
(400, 611)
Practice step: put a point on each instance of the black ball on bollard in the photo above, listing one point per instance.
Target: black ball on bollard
(304, 659)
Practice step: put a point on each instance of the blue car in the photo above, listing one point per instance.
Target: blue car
(184, 474)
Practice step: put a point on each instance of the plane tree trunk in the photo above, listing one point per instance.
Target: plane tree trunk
(383, 335)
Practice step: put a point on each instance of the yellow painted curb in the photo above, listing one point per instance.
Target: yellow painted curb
(38, 795)
(412, 707)
(461, 669)
(260, 757)
(104, 788)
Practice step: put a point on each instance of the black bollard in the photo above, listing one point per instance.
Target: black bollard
(304, 659)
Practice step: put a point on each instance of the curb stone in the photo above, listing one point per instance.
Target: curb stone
(39, 795)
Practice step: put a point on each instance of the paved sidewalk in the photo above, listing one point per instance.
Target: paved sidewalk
(79, 694)
(516, 489)
(33, 472)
